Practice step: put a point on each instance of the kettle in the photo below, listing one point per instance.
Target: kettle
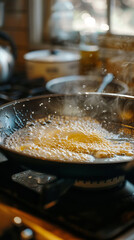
(7, 57)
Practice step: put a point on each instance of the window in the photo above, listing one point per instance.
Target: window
(122, 17)
(71, 20)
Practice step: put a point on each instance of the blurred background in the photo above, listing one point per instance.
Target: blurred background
(101, 29)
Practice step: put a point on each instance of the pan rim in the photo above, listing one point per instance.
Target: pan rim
(21, 100)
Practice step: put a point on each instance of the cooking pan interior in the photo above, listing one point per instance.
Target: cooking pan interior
(114, 112)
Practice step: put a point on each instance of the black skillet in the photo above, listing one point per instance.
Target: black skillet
(114, 112)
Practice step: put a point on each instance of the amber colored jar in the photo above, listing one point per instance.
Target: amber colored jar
(89, 58)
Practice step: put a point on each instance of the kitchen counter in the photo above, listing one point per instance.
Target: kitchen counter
(43, 229)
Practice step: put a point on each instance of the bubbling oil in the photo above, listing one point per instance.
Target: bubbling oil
(68, 139)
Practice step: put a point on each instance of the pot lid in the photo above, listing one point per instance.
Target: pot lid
(55, 55)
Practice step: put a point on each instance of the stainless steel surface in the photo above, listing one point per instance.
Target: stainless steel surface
(82, 83)
(6, 64)
(8, 54)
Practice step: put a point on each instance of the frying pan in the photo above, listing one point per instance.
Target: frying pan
(114, 112)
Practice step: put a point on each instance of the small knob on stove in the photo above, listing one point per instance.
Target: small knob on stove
(27, 234)
(17, 221)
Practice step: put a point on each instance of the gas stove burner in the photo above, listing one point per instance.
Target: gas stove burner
(100, 184)
(99, 214)
(20, 87)
(96, 214)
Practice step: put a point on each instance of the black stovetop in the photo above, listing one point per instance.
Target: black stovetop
(20, 87)
(91, 213)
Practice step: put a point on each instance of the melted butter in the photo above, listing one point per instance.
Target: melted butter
(68, 139)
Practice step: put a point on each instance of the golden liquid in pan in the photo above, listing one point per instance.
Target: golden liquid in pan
(69, 139)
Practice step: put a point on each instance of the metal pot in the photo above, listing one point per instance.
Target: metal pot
(7, 57)
(81, 84)
(51, 64)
